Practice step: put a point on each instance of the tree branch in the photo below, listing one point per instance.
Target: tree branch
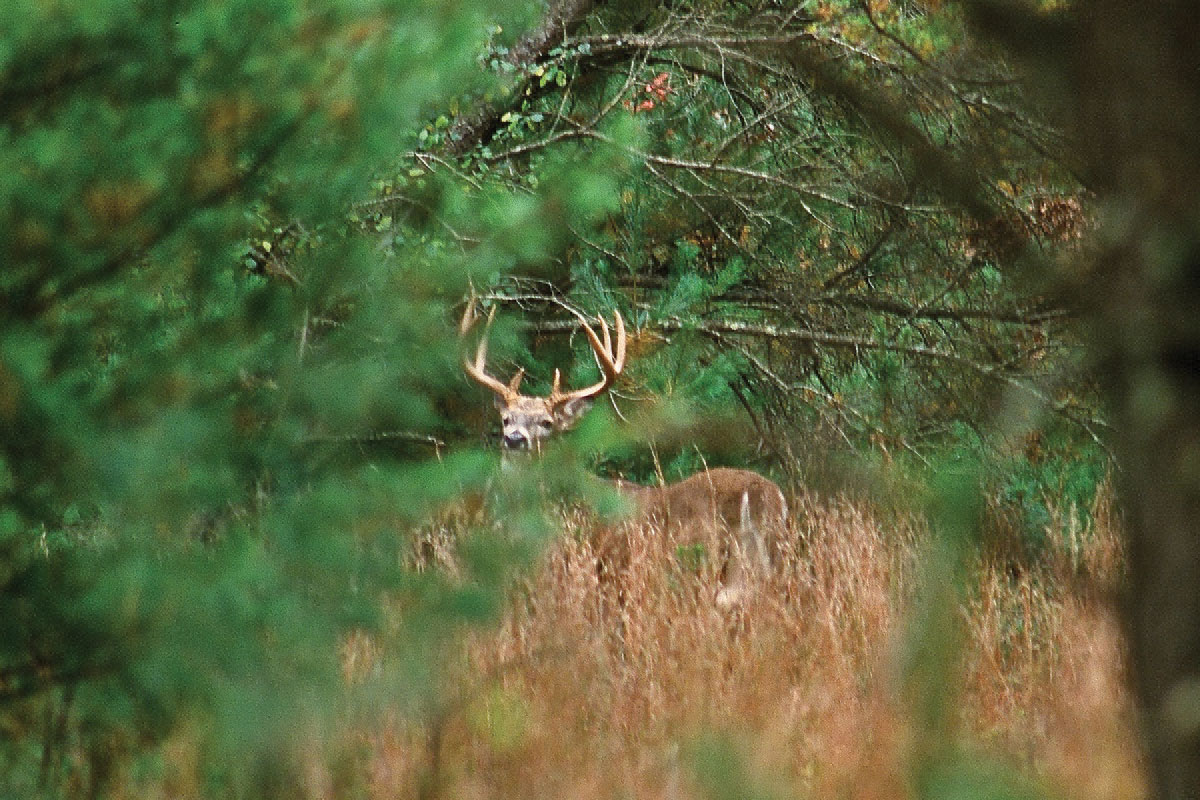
(478, 125)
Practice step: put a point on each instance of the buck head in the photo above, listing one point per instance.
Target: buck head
(529, 421)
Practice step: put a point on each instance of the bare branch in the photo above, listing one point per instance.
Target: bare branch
(477, 125)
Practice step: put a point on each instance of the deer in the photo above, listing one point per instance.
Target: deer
(745, 509)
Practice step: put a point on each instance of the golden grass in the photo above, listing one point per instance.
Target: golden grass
(579, 694)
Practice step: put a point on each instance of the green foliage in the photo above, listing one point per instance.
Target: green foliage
(692, 558)
(208, 335)
(1055, 475)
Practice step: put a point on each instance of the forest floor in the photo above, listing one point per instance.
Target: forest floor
(822, 684)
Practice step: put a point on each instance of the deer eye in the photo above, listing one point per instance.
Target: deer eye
(506, 420)
(546, 424)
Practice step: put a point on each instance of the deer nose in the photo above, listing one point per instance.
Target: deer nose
(515, 440)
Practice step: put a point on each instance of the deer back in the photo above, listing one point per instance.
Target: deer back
(719, 503)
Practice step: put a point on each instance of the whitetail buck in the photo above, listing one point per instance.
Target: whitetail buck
(724, 501)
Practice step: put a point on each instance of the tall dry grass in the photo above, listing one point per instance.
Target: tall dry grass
(590, 692)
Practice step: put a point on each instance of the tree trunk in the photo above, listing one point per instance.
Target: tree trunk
(1127, 74)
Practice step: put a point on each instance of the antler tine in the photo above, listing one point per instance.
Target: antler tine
(620, 360)
(604, 330)
(468, 317)
(610, 363)
(477, 371)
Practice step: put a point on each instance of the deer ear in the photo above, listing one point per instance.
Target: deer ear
(570, 411)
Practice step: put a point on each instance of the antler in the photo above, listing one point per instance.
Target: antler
(610, 363)
(477, 371)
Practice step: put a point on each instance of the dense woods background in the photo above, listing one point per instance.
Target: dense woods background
(924, 253)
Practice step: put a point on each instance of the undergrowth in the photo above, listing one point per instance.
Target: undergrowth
(652, 691)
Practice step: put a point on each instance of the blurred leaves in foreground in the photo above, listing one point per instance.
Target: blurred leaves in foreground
(196, 510)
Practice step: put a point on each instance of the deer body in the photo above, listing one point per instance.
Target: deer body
(743, 508)
(729, 499)
(744, 511)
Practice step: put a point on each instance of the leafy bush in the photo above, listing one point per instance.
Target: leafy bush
(221, 375)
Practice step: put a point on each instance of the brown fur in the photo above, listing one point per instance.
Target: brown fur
(739, 512)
